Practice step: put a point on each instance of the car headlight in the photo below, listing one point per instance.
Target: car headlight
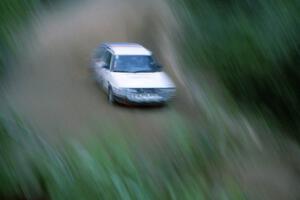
(168, 90)
(130, 90)
(123, 91)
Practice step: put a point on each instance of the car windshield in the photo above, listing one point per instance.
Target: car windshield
(134, 64)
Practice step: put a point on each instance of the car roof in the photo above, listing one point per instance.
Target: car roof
(127, 49)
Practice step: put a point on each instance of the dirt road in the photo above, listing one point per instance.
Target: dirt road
(51, 86)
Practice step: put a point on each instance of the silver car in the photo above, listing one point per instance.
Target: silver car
(129, 74)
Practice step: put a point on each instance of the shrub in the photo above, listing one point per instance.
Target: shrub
(252, 46)
(185, 166)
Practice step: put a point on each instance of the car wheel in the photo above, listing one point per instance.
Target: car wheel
(111, 98)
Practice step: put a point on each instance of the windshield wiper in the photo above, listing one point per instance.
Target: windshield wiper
(139, 71)
(121, 71)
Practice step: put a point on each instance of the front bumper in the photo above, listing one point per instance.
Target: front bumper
(146, 97)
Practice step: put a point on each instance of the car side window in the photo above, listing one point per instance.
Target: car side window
(107, 59)
(97, 54)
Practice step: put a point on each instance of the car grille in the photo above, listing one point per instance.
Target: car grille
(163, 92)
(149, 90)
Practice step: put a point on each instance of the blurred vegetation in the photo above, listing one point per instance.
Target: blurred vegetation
(13, 16)
(185, 166)
(253, 47)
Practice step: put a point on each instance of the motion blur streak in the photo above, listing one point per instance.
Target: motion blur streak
(51, 85)
(64, 141)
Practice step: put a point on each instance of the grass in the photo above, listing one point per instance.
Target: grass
(186, 165)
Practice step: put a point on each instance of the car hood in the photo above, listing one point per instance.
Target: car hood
(142, 80)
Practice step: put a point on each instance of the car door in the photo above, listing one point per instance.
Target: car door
(98, 63)
(105, 69)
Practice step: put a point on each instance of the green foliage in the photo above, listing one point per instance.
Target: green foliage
(252, 46)
(13, 15)
(186, 165)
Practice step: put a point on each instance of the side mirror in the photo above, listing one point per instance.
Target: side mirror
(159, 67)
(101, 64)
